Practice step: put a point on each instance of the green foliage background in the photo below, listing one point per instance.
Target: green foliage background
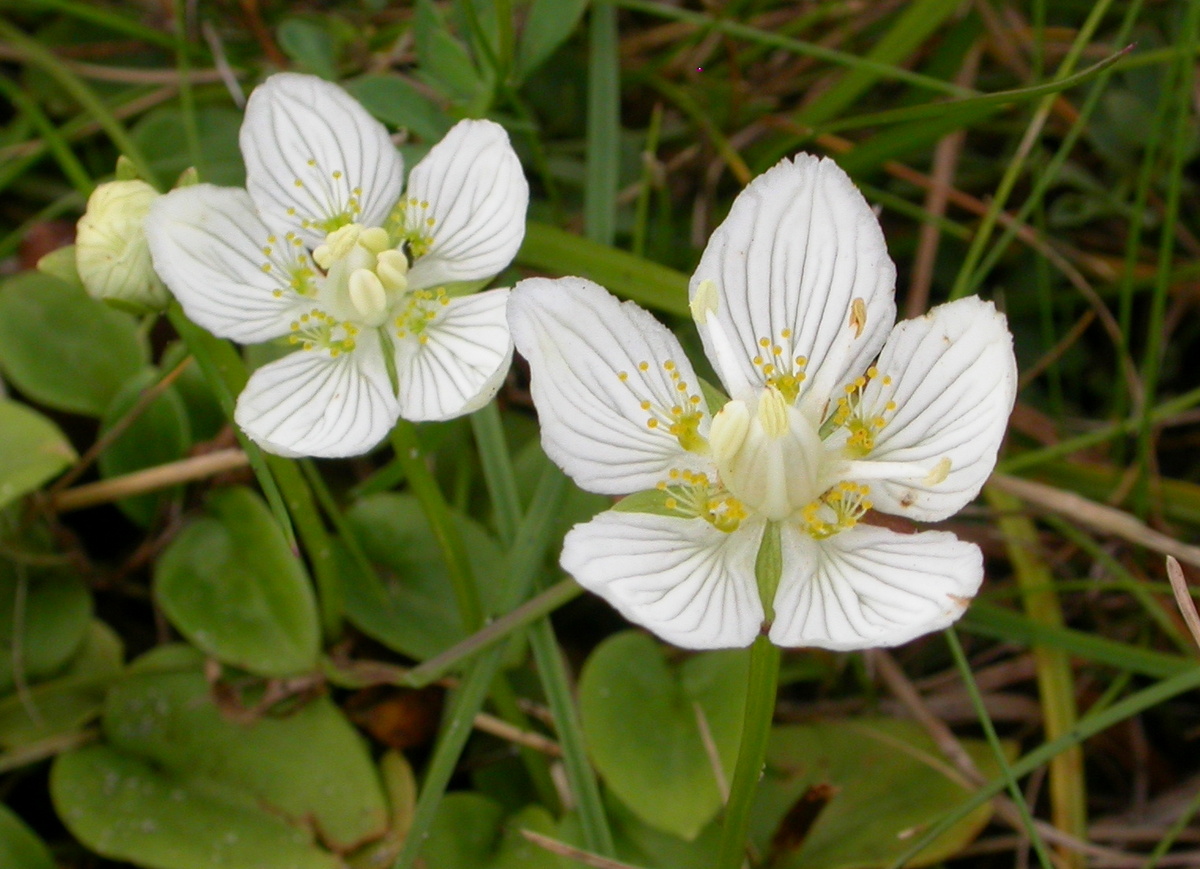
(211, 657)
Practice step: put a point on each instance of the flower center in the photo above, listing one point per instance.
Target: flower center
(768, 455)
(365, 275)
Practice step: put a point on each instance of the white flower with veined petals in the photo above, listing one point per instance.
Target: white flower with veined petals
(321, 248)
(832, 411)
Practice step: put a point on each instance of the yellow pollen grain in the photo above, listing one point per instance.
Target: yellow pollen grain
(298, 183)
(758, 360)
(651, 423)
(643, 366)
(872, 372)
(891, 405)
(671, 504)
(763, 342)
(266, 267)
(337, 174)
(785, 334)
(695, 399)
(661, 485)
(622, 376)
(645, 405)
(312, 162)
(776, 350)
(669, 365)
(887, 380)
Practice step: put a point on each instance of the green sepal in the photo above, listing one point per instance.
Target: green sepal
(60, 264)
(389, 359)
(465, 288)
(126, 170)
(187, 178)
(713, 396)
(648, 501)
(768, 568)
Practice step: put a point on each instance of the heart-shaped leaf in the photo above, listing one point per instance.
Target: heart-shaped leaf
(413, 609)
(642, 717)
(70, 699)
(61, 347)
(179, 785)
(19, 847)
(234, 588)
(159, 434)
(44, 617)
(850, 794)
(32, 450)
(471, 832)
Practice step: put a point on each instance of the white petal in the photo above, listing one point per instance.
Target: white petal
(309, 404)
(301, 128)
(798, 247)
(477, 195)
(870, 587)
(462, 362)
(954, 383)
(683, 579)
(208, 246)
(579, 341)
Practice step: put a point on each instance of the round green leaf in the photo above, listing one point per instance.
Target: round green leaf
(885, 779)
(640, 716)
(19, 847)
(413, 610)
(307, 765)
(471, 832)
(63, 348)
(123, 808)
(54, 610)
(158, 435)
(234, 588)
(69, 700)
(32, 450)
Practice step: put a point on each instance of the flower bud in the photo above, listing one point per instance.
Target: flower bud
(111, 252)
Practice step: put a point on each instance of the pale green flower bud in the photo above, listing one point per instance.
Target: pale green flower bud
(111, 252)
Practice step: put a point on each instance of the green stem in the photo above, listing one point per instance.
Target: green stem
(989, 729)
(225, 374)
(299, 500)
(525, 560)
(497, 471)
(1087, 727)
(756, 729)
(502, 487)
(603, 125)
(497, 631)
(441, 522)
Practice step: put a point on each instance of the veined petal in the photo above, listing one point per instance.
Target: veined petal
(800, 263)
(605, 377)
(954, 381)
(869, 587)
(683, 579)
(461, 362)
(476, 196)
(210, 247)
(312, 404)
(314, 155)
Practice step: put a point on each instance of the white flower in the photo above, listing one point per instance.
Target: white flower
(322, 247)
(793, 299)
(111, 254)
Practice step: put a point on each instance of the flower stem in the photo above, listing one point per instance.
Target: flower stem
(441, 522)
(506, 505)
(756, 728)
